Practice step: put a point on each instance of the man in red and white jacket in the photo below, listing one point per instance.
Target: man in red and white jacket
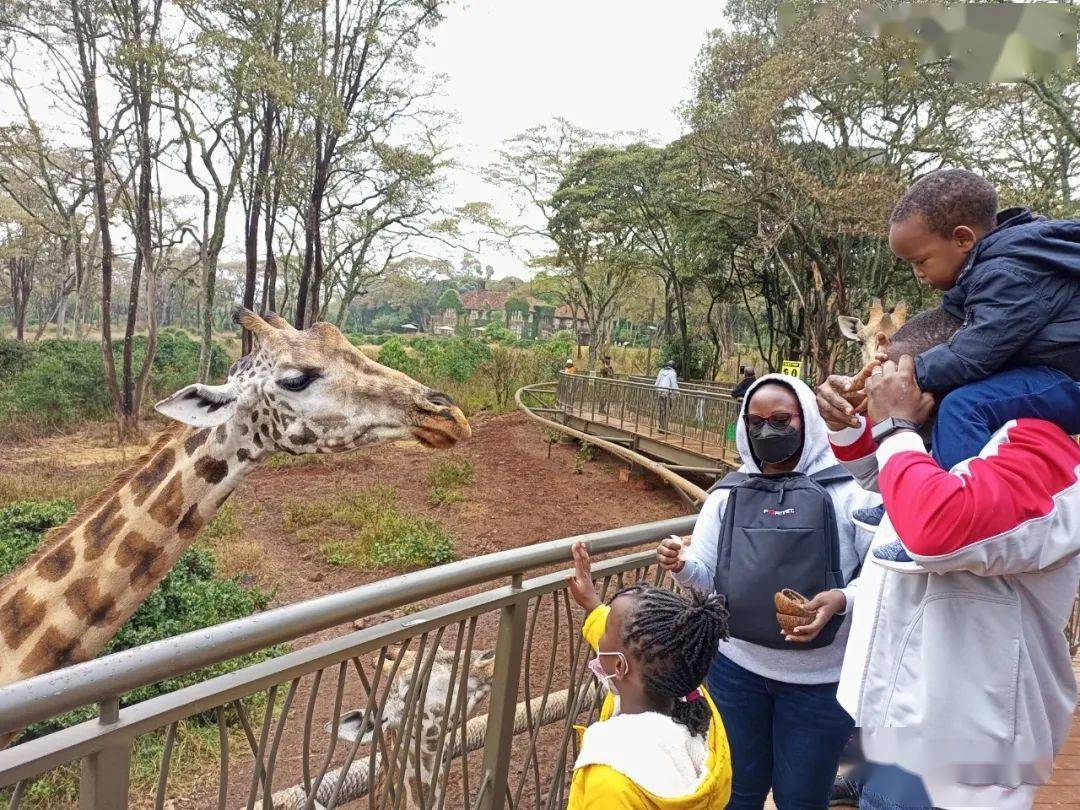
(957, 668)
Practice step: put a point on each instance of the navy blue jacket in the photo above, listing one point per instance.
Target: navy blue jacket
(1018, 296)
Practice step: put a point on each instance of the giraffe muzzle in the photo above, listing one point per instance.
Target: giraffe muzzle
(440, 423)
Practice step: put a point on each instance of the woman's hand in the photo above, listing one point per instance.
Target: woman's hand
(827, 604)
(667, 553)
(580, 582)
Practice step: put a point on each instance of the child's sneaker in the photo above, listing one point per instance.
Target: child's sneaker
(871, 516)
(892, 552)
(845, 792)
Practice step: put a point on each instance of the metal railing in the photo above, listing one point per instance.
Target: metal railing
(706, 386)
(697, 420)
(387, 714)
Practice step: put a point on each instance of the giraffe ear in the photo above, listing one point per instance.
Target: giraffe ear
(200, 405)
(850, 326)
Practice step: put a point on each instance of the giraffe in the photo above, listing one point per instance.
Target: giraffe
(879, 323)
(307, 391)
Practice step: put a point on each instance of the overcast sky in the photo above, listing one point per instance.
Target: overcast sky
(601, 64)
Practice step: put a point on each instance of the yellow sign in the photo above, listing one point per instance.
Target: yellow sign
(792, 368)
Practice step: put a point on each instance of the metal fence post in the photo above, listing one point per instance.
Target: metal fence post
(499, 738)
(103, 779)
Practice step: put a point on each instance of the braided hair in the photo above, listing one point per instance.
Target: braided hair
(674, 639)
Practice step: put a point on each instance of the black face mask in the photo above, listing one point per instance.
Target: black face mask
(775, 445)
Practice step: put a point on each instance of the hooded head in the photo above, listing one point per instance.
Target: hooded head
(815, 453)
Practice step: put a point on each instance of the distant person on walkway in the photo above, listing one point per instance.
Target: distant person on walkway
(659, 742)
(667, 385)
(748, 378)
(607, 372)
(570, 366)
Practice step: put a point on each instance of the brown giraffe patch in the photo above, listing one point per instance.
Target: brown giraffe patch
(220, 432)
(211, 469)
(190, 523)
(148, 478)
(305, 436)
(243, 454)
(20, 616)
(196, 440)
(86, 601)
(55, 565)
(167, 505)
(142, 556)
(102, 529)
(52, 651)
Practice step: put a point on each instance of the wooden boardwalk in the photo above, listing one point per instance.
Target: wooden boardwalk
(689, 438)
(1064, 788)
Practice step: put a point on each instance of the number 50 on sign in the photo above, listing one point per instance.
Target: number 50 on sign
(792, 368)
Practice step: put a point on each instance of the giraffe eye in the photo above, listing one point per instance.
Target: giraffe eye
(297, 382)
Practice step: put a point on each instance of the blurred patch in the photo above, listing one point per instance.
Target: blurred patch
(980, 42)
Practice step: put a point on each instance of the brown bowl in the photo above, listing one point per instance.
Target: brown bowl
(788, 623)
(792, 603)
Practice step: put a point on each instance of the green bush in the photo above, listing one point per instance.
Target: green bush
(393, 355)
(189, 598)
(15, 355)
(454, 359)
(59, 382)
(381, 536)
(694, 364)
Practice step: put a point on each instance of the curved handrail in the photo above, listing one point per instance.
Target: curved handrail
(696, 494)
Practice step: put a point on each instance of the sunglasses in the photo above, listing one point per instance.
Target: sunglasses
(777, 421)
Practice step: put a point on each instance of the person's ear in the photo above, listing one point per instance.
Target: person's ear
(964, 238)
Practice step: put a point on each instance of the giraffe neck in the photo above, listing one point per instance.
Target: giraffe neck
(71, 597)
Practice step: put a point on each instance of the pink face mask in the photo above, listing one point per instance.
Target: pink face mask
(607, 681)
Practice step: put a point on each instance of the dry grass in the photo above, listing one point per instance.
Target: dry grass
(45, 481)
(235, 555)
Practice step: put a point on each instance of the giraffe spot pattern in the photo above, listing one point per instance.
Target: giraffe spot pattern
(243, 454)
(88, 603)
(219, 433)
(167, 505)
(190, 523)
(196, 440)
(20, 616)
(305, 436)
(148, 478)
(211, 469)
(142, 556)
(52, 651)
(102, 529)
(55, 565)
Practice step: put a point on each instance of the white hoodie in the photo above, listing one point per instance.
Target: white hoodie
(821, 665)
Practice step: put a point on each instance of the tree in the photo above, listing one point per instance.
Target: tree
(366, 86)
(451, 300)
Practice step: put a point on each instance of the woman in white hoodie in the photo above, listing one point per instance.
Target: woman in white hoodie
(785, 726)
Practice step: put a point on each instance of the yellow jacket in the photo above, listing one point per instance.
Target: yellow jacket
(600, 780)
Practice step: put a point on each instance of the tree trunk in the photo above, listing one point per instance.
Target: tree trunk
(251, 230)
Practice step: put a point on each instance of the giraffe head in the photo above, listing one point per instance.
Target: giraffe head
(312, 391)
(880, 322)
(442, 685)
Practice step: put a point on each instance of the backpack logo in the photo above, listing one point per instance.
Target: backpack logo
(777, 512)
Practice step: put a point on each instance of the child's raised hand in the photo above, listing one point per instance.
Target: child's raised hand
(580, 582)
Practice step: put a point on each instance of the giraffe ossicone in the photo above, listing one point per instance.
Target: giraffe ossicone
(880, 326)
(298, 391)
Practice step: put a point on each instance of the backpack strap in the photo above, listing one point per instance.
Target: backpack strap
(832, 475)
(730, 481)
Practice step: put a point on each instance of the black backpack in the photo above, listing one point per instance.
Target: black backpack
(778, 531)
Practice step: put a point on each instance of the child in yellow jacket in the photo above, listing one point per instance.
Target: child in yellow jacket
(660, 743)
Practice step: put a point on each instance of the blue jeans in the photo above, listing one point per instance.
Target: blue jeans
(887, 787)
(970, 415)
(783, 736)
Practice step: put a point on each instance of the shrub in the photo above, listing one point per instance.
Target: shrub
(393, 355)
(446, 476)
(15, 355)
(455, 359)
(696, 361)
(59, 382)
(381, 536)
